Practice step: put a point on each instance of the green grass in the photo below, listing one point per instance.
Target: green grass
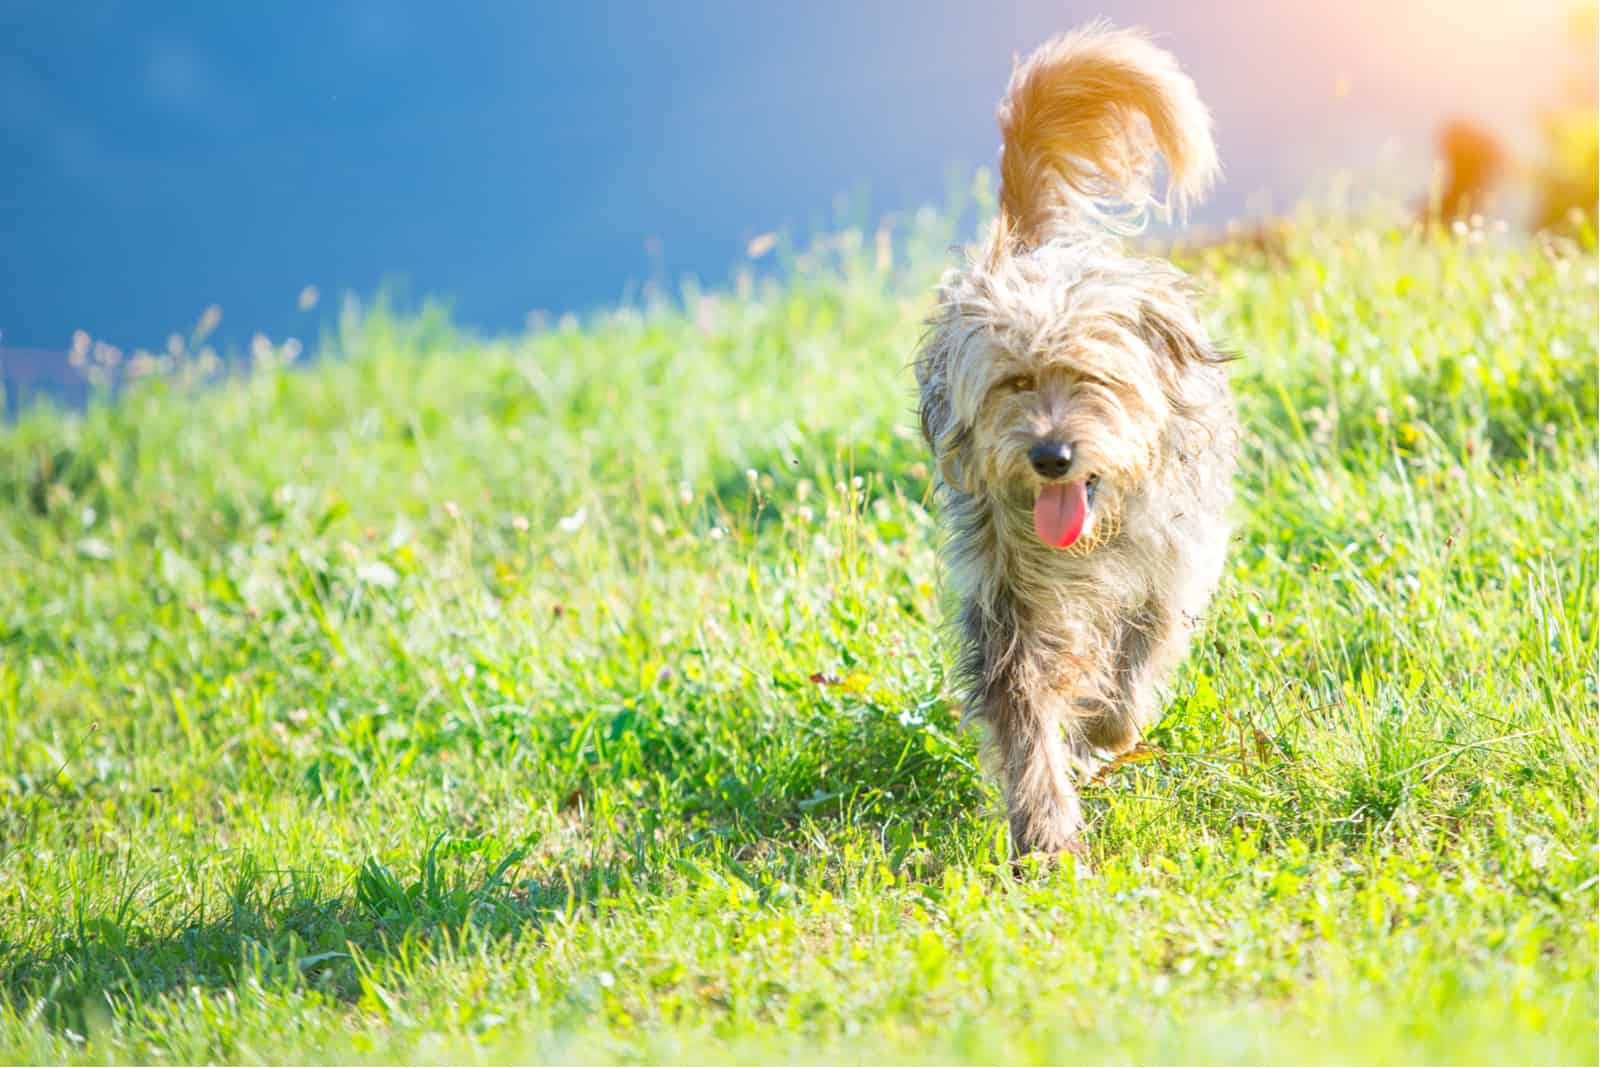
(582, 696)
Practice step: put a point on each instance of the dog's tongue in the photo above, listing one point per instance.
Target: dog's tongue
(1059, 512)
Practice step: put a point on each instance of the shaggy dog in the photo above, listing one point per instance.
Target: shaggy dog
(1083, 430)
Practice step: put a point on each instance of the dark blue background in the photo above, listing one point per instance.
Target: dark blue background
(517, 156)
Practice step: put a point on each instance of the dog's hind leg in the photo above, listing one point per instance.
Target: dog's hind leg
(1151, 643)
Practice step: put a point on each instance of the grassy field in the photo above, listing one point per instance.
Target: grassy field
(583, 696)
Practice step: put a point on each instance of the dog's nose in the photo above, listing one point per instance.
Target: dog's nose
(1051, 458)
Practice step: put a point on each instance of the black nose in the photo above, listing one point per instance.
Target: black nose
(1051, 458)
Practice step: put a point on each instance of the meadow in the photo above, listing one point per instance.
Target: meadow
(584, 695)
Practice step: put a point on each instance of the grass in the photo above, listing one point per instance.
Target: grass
(582, 696)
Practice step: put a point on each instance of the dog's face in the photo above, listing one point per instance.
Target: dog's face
(1048, 380)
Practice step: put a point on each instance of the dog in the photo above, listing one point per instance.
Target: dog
(1081, 424)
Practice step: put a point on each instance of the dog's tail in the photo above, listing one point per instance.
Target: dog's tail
(1082, 121)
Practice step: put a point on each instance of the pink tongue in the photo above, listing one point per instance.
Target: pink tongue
(1059, 512)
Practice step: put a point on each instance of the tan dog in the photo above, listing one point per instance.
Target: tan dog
(1082, 424)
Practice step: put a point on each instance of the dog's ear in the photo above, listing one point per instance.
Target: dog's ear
(1179, 343)
(1171, 330)
(947, 436)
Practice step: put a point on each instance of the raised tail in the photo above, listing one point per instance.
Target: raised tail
(1082, 122)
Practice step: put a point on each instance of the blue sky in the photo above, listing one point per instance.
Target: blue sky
(161, 157)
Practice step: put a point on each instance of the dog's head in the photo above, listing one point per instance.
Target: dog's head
(1049, 377)
(1055, 364)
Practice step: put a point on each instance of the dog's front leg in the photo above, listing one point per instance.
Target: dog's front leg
(1030, 752)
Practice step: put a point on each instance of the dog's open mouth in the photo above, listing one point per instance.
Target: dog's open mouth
(1061, 511)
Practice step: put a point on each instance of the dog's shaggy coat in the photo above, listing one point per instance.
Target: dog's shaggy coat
(1053, 338)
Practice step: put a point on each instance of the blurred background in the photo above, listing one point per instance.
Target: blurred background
(524, 160)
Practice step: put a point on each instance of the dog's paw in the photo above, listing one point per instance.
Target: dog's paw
(1073, 854)
(1049, 838)
(1112, 733)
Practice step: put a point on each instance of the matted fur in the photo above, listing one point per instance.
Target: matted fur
(1051, 332)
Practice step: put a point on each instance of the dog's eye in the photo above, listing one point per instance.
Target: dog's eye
(1020, 384)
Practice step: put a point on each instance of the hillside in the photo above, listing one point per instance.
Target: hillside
(582, 696)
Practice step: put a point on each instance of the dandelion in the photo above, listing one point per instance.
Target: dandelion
(520, 524)
(378, 573)
(571, 524)
(143, 364)
(452, 510)
(210, 319)
(308, 298)
(705, 315)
